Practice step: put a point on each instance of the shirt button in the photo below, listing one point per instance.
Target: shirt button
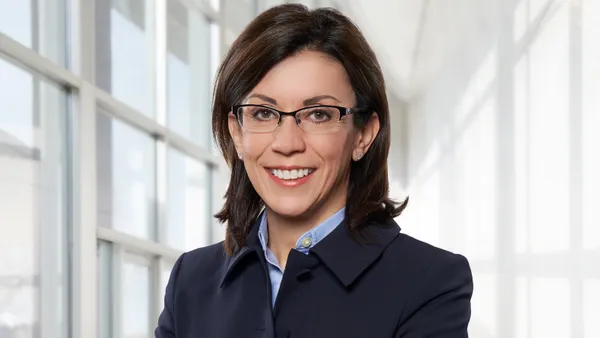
(306, 242)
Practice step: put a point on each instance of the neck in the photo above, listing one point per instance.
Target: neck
(285, 231)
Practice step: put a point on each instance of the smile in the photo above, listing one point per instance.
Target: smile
(291, 174)
(290, 177)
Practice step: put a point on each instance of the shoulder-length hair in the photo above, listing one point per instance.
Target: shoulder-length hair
(274, 35)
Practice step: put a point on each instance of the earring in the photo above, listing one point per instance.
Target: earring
(240, 156)
(359, 156)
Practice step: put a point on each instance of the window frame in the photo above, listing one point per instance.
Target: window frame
(77, 77)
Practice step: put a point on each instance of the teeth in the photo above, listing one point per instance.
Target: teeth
(291, 174)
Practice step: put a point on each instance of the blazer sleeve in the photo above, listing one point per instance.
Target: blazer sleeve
(166, 322)
(443, 308)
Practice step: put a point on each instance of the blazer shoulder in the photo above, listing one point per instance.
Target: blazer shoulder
(438, 292)
(424, 262)
(204, 261)
(424, 253)
(207, 254)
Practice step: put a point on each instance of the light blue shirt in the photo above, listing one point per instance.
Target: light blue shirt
(304, 244)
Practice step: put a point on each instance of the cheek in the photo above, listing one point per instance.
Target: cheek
(255, 144)
(334, 150)
(333, 153)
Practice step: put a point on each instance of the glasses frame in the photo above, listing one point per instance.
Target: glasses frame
(344, 111)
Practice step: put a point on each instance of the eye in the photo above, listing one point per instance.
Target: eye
(264, 114)
(320, 115)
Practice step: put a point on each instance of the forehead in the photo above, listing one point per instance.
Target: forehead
(304, 75)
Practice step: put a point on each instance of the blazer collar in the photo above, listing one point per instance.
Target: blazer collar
(252, 246)
(346, 257)
(343, 255)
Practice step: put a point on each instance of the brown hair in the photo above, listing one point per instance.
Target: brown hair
(274, 35)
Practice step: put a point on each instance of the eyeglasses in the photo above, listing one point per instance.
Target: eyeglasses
(314, 119)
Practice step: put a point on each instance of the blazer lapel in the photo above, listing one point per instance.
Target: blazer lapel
(348, 258)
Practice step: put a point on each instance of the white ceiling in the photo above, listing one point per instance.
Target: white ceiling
(412, 38)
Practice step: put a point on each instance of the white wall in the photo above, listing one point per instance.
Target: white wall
(397, 164)
(503, 164)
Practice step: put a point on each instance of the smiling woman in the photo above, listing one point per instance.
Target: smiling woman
(311, 250)
(320, 137)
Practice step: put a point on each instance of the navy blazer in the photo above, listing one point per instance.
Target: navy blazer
(394, 286)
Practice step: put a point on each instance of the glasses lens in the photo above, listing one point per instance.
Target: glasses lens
(319, 119)
(258, 119)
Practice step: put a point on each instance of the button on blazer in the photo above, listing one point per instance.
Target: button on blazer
(390, 286)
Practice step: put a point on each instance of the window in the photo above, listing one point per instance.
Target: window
(33, 278)
(135, 297)
(126, 176)
(165, 274)
(104, 294)
(272, 3)
(125, 65)
(240, 13)
(124, 293)
(153, 194)
(39, 25)
(110, 156)
(591, 305)
(188, 202)
(590, 123)
(327, 3)
(308, 3)
(189, 74)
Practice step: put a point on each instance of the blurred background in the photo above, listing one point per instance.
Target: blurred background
(108, 172)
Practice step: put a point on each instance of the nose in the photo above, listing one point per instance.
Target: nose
(289, 138)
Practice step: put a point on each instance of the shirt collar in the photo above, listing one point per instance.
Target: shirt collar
(310, 238)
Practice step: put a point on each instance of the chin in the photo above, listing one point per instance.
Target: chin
(289, 207)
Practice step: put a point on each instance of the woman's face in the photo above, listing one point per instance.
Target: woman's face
(273, 159)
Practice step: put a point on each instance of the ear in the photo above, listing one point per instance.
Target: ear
(236, 134)
(365, 137)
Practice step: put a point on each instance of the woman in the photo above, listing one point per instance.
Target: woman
(311, 250)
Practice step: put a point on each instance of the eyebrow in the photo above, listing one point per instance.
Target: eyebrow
(307, 102)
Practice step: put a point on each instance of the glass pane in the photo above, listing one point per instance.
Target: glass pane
(239, 14)
(39, 25)
(126, 170)
(271, 3)
(485, 305)
(218, 179)
(215, 60)
(549, 321)
(476, 186)
(189, 218)
(591, 308)
(105, 296)
(189, 73)
(125, 64)
(308, 3)
(591, 123)
(521, 156)
(135, 298)
(549, 135)
(522, 315)
(164, 276)
(32, 203)
(327, 3)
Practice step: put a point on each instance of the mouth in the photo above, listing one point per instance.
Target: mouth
(291, 176)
